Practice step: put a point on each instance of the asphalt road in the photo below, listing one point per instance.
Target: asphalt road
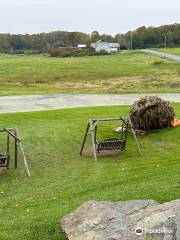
(163, 55)
(10, 104)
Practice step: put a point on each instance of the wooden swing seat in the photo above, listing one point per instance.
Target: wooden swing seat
(4, 161)
(111, 144)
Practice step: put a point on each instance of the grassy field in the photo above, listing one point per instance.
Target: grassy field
(31, 209)
(125, 72)
(171, 50)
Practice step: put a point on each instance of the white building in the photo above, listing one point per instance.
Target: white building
(102, 45)
(82, 46)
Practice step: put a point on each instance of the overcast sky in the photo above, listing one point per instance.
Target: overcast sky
(105, 16)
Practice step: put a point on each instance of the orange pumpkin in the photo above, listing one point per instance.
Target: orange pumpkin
(175, 123)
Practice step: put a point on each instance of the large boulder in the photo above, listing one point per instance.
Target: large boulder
(129, 220)
(150, 113)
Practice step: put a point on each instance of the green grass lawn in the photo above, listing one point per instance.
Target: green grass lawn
(125, 72)
(171, 50)
(31, 209)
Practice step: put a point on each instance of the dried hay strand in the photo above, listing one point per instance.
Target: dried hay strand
(151, 113)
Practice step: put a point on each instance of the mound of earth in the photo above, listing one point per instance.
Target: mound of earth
(150, 113)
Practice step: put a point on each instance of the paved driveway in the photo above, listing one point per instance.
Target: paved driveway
(163, 55)
(45, 102)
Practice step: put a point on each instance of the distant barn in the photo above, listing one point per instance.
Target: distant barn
(102, 45)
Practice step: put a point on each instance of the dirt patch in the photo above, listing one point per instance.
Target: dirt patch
(161, 142)
(88, 152)
(152, 82)
(3, 170)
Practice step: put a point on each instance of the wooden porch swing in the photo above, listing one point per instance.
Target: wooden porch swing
(111, 143)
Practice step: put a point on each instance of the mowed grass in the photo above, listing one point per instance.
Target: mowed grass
(31, 209)
(124, 72)
(171, 50)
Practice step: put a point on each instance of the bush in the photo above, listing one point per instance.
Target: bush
(102, 52)
(70, 52)
(32, 51)
(157, 63)
(18, 52)
(75, 52)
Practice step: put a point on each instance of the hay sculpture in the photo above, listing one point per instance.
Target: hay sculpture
(151, 113)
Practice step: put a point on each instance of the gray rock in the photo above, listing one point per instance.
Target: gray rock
(124, 221)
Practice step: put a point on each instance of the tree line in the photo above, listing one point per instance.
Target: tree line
(143, 37)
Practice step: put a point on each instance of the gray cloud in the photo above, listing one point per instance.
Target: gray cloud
(107, 16)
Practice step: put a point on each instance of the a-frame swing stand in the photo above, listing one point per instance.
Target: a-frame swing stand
(109, 144)
(4, 159)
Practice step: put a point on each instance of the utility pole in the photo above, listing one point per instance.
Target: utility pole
(131, 41)
(165, 41)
